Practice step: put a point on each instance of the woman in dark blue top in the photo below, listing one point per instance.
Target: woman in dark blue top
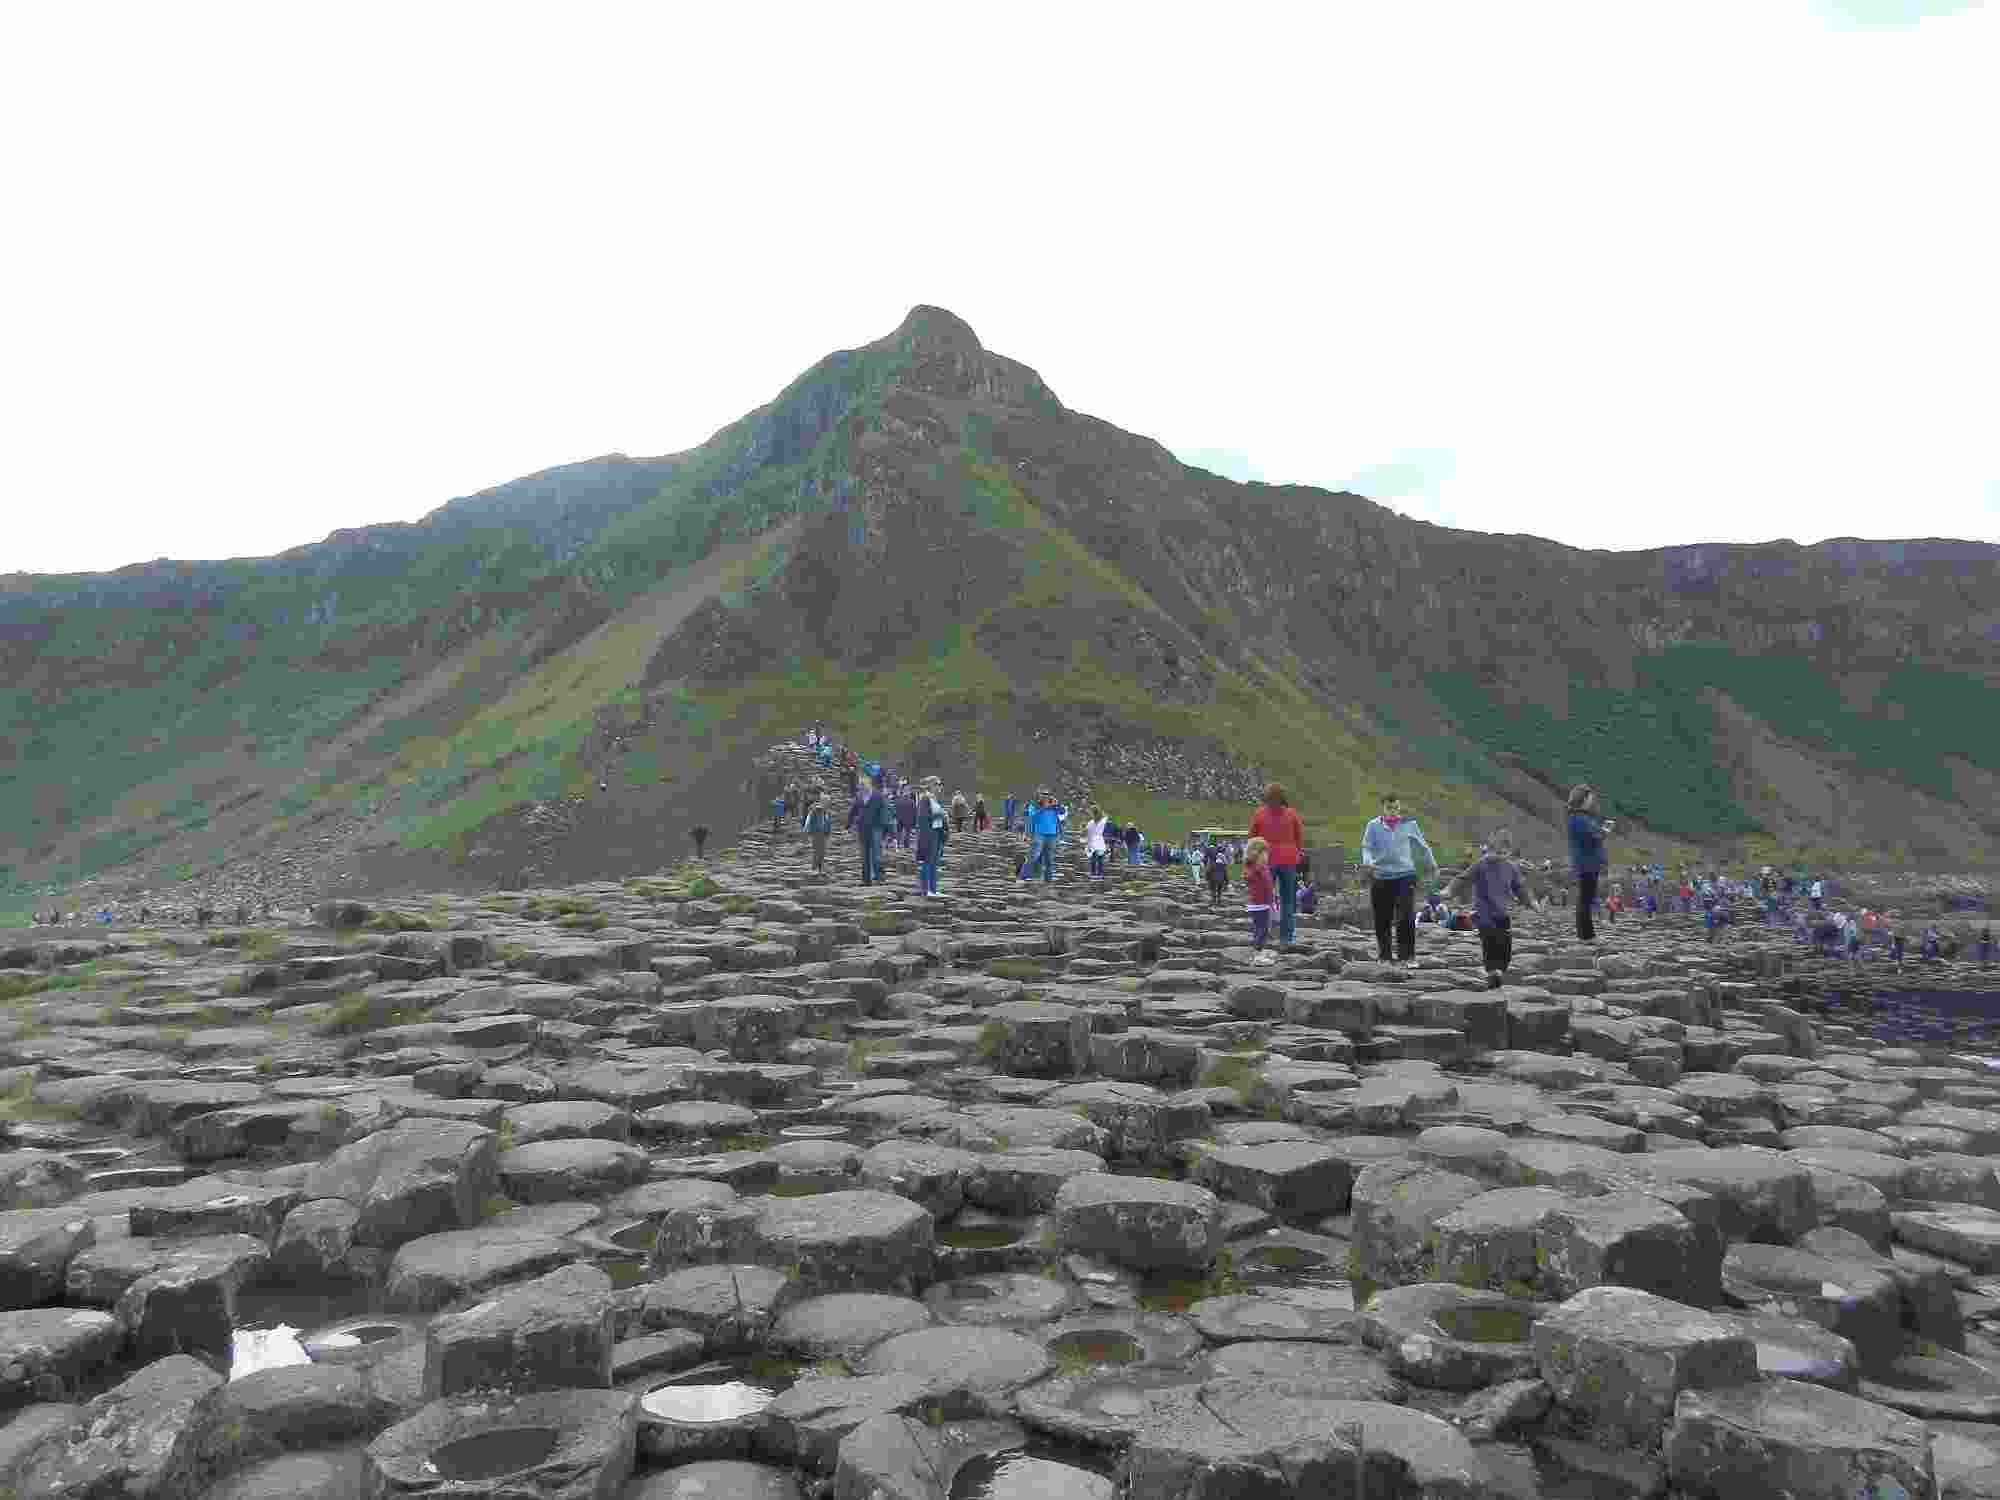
(1586, 854)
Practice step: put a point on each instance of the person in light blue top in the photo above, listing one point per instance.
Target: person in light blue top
(1586, 854)
(1390, 845)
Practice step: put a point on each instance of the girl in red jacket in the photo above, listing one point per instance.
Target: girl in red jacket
(1257, 883)
(1278, 825)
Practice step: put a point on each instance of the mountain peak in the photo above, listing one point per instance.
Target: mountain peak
(935, 330)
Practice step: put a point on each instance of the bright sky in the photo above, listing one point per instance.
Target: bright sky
(1620, 272)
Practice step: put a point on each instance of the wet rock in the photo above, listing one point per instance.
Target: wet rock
(213, 1206)
(186, 1298)
(955, 1358)
(438, 1269)
(1000, 1298)
(1338, 1372)
(46, 1353)
(1293, 1314)
(1860, 1304)
(144, 1437)
(1763, 1195)
(1395, 1206)
(808, 1422)
(555, 1171)
(715, 1479)
(268, 1412)
(844, 1325)
(1451, 1337)
(411, 1179)
(316, 1239)
(1025, 1181)
(732, 1307)
(1139, 1221)
(1292, 1179)
(1250, 1438)
(1795, 1349)
(1140, 1123)
(898, 1458)
(563, 1119)
(931, 1175)
(1617, 1358)
(1626, 1239)
(1493, 1240)
(860, 1240)
(36, 1247)
(1502, 1410)
(551, 1445)
(1785, 1437)
(551, 1333)
(1965, 1233)
(336, 1474)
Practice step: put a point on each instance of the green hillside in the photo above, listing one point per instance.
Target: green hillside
(917, 544)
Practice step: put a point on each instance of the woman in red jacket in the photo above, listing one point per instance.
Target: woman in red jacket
(1279, 827)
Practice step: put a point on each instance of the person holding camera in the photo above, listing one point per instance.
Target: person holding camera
(1586, 854)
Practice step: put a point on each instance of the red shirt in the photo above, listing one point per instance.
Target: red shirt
(1282, 830)
(1257, 885)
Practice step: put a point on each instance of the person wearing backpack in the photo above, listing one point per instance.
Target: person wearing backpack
(960, 811)
(819, 824)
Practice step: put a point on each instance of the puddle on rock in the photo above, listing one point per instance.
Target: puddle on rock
(624, 1273)
(1094, 1346)
(640, 1236)
(725, 1401)
(814, 1132)
(489, 1455)
(1487, 1325)
(254, 1349)
(1025, 1475)
(982, 1238)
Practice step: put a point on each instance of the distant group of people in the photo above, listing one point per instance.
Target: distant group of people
(199, 915)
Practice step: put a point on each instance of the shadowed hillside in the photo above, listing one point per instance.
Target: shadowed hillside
(919, 544)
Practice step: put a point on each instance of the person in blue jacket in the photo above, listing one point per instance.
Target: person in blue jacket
(1586, 854)
(1045, 821)
(877, 817)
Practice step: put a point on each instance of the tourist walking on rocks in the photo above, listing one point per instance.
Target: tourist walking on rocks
(819, 824)
(960, 811)
(1389, 848)
(1007, 806)
(1218, 874)
(1896, 942)
(1817, 893)
(980, 821)
(906, 817)
(777, 812)
(1277, 823)
(875, 820)
(1258, 898)
(1093, 841)
(1131, 843)
(931, 834)
(1586, 854)
(1044, 828)
(1986, 946)
(1491, 881)
(699, 833)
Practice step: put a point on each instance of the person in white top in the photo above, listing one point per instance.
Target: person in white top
(1094, 845)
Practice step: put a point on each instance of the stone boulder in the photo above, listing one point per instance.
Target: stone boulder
(415, 1178)
(552, 1333)
(1141, 1222)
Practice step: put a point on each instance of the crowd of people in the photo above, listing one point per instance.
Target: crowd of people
(912, 816)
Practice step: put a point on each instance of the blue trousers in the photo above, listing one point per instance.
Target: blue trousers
(927, 875)
(1288, 900)
(871, 858)
(1042, 853)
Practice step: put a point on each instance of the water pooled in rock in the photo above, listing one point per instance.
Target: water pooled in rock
(488, 1455)
(1020, 1476)
(254, 1349)
(726, 1401)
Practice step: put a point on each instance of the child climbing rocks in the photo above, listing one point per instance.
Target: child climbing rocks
(1260, 893)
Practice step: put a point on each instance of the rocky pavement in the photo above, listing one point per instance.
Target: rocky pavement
(743, 1182)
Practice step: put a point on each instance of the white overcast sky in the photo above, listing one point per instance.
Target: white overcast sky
(1619, 272)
